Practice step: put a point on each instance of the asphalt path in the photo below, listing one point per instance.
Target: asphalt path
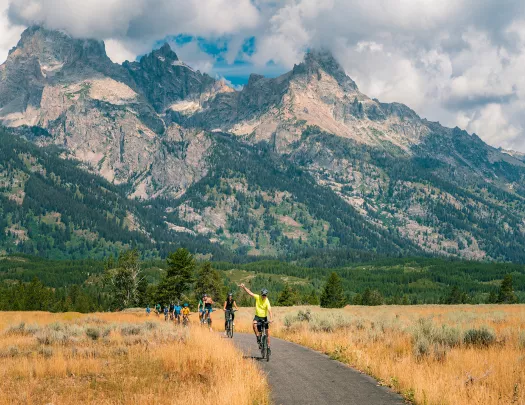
(298, 375)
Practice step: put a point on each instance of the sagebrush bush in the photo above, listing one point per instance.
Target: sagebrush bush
(93, 333)
(482, 337)
(445, 335)
(45, 351)
(22, 329)
(421, 347)
(10, 351)
(304, 316)
(131, 329)
(322, 325)
(150, 325)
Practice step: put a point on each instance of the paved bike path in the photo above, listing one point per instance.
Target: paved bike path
(298, 375)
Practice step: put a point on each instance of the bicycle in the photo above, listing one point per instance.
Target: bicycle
(186, 320)
(229, 323)
(263, 343)
(206, 318)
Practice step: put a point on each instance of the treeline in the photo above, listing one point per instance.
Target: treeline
(35, 296)
(405, 280)
(30, 283)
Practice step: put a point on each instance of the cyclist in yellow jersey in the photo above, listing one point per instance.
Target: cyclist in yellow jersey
(262, 309)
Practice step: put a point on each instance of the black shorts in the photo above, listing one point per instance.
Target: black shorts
(259, 320)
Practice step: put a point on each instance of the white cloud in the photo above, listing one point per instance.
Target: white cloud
(456, 61)
(9, 34)
(118, 52)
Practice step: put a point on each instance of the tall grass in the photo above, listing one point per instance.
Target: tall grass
(431, 354)
(120, 359)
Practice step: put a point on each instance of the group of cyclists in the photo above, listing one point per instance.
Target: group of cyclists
(175, 313)
(263, 311)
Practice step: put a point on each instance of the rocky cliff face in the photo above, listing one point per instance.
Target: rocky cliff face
(101, 113)
(301, 161)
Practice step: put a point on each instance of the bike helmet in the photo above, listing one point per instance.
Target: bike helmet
(230, 294)
(264, 291)
(186, 304)
(205, 295)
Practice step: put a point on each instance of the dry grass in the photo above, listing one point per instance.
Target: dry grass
(121, 358)
(431, 354)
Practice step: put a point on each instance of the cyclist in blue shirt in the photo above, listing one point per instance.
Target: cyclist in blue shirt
(177, 311)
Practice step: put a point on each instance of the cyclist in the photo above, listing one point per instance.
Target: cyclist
(166, 311)
(157, 309)
(262, 309)
(177, 310)
(185, 313)
(200, 308)
(171, 311)
(208, 307)
(148, 310)
(228, 307)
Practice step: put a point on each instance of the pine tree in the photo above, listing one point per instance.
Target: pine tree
(333, 295)
(179, 277)
(372, 297)
(209, 282)
(493, 298)
(506, 292)
(287, 297)
(125, 279)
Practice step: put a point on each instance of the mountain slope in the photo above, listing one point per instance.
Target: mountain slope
(287, 165)
(52, 207)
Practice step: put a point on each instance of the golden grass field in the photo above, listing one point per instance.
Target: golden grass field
(121, 358)
(419, 351)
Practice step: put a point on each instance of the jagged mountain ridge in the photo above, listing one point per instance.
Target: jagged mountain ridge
(155, 125)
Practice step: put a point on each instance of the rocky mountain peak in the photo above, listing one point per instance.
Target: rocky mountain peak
(52, 48)
(317, 60)
(166, 52)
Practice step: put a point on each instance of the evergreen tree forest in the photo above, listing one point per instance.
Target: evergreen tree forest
(131, 280)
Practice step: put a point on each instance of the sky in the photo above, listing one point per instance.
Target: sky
(459, 62)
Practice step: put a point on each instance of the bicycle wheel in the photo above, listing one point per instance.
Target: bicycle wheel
(231, 329)
(264, 346)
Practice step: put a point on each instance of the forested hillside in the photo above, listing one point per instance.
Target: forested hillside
(52, 207)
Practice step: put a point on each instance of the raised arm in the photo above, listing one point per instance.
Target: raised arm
(246, 289)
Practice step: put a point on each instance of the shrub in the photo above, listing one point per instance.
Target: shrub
(304, 316)
(50, 336)
(289, 321)
(46, 352)
(10, 351)
(445, 336)
(421, 347)
(120, 351)
(22, 329)
(131, 330)
(440, 352)
(322, 325)
(482, 337)
(359, 324)
(149, 325)
(93, 333)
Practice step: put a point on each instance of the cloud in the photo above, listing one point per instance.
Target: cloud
(9, 33)
(456, 61)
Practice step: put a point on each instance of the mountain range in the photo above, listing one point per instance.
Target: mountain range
(156, 154)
